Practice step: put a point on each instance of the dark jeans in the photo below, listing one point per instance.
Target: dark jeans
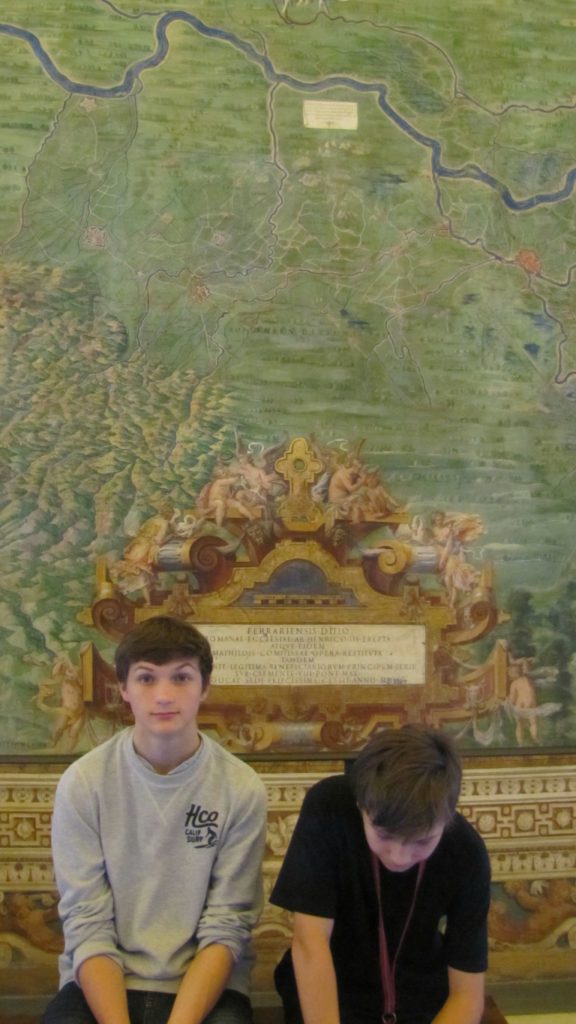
(70, 1007)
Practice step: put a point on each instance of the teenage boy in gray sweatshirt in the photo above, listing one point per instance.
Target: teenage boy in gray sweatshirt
(158, 837)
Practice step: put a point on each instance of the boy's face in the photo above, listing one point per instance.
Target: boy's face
(165, 699)
(396, 853)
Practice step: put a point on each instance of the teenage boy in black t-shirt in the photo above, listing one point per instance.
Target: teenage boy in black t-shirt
(384, 844)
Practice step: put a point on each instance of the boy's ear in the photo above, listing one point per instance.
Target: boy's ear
(205, 689)
(123, 692)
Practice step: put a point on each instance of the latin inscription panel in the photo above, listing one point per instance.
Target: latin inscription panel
(315, 655)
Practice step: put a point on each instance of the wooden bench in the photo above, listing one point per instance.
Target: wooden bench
(492, 1015)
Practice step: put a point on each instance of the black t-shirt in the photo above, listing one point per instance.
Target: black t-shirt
(327, 872)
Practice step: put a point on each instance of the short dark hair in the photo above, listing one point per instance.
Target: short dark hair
(407, 780)
(163, 639)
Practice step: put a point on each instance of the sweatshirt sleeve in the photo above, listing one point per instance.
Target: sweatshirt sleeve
(235, 898)
(86, 905)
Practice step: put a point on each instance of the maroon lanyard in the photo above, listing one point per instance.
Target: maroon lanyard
(387, 969)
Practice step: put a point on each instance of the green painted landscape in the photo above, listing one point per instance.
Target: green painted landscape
(351, 219)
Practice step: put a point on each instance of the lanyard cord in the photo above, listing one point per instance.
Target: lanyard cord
(387, 969)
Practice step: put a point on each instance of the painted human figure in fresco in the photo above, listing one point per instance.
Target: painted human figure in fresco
(524, 701)
(134, 571)
(344, 482)
(65, 684)
(357, 492)
(372, 500)
(256, 483)
(24, 916)
(549, 907)
(222, 497)
(449, 535)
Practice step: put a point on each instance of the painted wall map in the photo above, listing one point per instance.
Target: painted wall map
(224, 226)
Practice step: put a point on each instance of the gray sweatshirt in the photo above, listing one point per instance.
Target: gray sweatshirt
(151, 868)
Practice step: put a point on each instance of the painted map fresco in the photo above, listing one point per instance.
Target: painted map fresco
(341, 218)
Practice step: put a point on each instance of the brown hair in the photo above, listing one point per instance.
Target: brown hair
(163, 639)
(407, 780)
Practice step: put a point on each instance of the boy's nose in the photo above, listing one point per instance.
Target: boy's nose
(164, 691)
(399, 854)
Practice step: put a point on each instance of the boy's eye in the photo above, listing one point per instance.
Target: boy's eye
(182, 677)
(144, 677)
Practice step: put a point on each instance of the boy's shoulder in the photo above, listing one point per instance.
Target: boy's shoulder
(332, 791)
(332, 801)
(98, 760)
(463, 848)
(236, 770)
(460, 830)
